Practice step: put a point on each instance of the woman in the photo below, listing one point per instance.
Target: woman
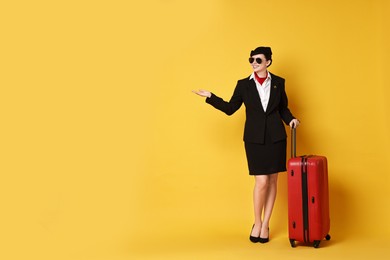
(265, 99)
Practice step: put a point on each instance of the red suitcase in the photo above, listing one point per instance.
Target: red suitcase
(308, 197)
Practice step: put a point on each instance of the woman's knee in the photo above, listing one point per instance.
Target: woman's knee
(262, 181)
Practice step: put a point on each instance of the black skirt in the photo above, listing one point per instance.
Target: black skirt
(267, 158)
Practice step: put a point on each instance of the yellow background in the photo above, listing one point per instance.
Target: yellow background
(106, 153)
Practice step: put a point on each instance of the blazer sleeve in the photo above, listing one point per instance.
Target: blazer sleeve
(283, 107)
(227, 107)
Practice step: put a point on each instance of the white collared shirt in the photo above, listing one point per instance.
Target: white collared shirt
(264, 89)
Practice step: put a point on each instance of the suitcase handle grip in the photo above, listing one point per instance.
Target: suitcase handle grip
(293, 142)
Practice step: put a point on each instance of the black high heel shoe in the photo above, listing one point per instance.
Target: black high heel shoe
(264, 240)
(254, 239)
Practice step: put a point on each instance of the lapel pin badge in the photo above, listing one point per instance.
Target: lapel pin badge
(275, 86)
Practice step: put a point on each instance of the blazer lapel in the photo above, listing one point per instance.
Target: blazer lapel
(273, 93)
(255, 94)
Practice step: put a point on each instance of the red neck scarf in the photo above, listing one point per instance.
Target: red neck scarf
(260, 80)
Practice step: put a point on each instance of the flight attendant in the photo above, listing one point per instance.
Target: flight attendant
(265, 99)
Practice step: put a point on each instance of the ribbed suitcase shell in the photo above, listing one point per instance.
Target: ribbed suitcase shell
(308, 199)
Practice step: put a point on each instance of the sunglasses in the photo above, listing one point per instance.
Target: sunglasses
(258, 60)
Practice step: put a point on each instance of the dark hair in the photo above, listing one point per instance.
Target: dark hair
(266, 51)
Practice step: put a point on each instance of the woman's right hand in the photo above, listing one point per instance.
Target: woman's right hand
(202, 93)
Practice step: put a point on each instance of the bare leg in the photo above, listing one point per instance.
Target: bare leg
(259, 199)
(269, 204)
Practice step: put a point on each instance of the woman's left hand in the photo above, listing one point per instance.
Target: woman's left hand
(294, 123)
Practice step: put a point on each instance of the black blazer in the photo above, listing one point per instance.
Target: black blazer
(256, 119)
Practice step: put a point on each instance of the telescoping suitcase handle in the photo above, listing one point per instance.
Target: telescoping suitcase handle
(293, 142)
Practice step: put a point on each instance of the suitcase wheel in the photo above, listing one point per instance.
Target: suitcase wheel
(316, 243)
(327, 237)
(292, 242)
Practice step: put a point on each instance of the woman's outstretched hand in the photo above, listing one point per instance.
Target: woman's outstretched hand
(202, 93)
(294, 123)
